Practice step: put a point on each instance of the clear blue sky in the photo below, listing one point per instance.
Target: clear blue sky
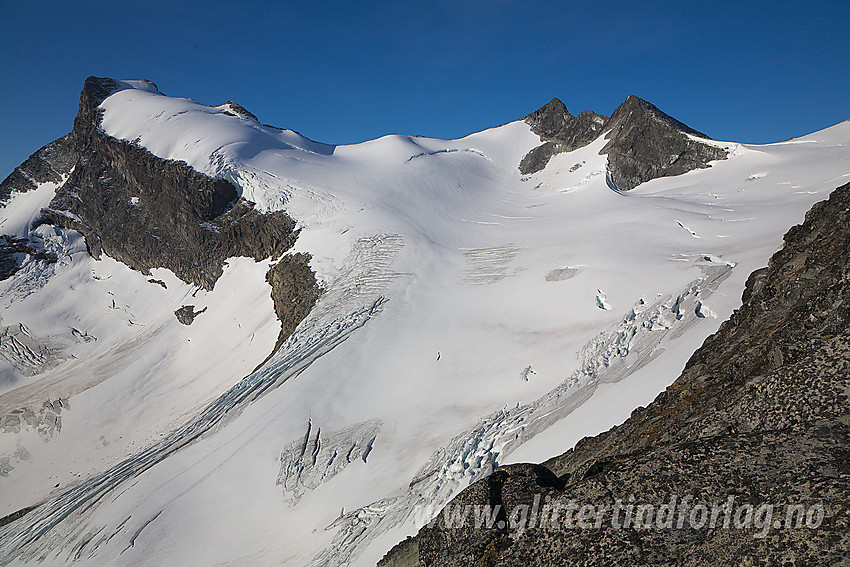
(350, 71)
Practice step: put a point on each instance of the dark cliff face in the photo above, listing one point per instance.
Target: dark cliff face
(760, 413)
(148, 212)
(46, 165)
(643, 142)
(554, 121)
(561, 132)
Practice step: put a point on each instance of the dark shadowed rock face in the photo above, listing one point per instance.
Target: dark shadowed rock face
(294, 291)
(13, 251)
(148, 212)
(643, 142)
(46, 165)
(760, 414)
(561, 131)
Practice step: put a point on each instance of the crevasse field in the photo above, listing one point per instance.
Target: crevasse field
(470, 317)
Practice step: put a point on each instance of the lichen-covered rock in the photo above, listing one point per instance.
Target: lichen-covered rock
(760, 415)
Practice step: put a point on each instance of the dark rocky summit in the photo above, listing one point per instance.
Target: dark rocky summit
(149, 212)
(759, 414)
(643, 142)
(239, 110)
(561, 131)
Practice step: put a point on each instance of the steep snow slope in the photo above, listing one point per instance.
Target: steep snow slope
(470, 316)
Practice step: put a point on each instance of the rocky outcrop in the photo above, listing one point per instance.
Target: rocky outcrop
(148, 212)
(294, 291)
(48, 164)
(561, 132)
(14, 251)
(643, 142)
(239, 110)
(755, 433)
(186, 314)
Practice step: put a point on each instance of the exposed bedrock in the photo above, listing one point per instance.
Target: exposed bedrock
(46, 165)
(643, 142)
(560, 131)
(15, 251)
(148, 212)
(186, 314)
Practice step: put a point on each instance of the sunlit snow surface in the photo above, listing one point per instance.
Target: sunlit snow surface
(471, 317)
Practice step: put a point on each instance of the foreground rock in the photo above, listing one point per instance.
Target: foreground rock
(755, 434)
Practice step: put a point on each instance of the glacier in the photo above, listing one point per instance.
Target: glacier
(446, 274)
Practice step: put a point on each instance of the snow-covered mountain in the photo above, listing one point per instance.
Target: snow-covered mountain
(224, 343)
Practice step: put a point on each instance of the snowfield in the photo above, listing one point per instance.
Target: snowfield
(471, 317)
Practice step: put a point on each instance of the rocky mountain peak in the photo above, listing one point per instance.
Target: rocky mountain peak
(643, 142)
(560, 132)
(549, 119)
(149, 212)
(95, 91)
(635, 108)
(240, 110)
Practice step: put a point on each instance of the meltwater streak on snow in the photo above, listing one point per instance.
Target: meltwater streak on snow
(356, 294)
(610, 357)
